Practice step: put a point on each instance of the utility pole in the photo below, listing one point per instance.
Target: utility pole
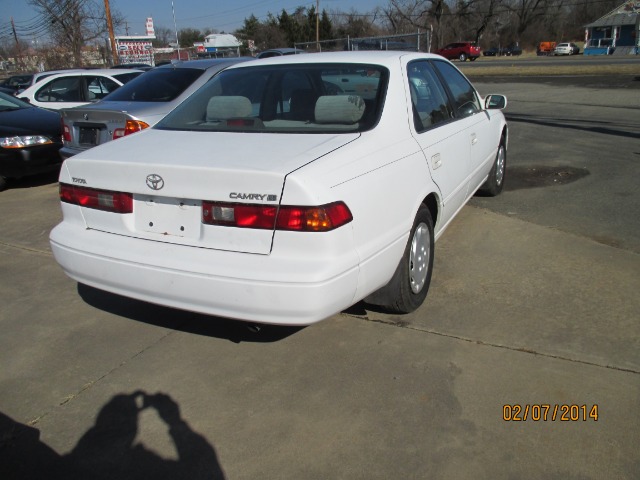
(318, 25)
(112, 38)
(175, 27)
(18, 50)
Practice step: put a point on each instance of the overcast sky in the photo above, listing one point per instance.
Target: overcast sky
(221, 15)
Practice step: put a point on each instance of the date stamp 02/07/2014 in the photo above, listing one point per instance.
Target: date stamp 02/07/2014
(547, 412)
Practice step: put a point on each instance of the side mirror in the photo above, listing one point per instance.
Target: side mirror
(495, 102)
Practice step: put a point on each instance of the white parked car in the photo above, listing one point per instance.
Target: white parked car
(76, 87)
(566, 49)
(286, 189)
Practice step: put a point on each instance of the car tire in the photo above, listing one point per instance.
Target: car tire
(473, 59)
(462, 57)
(495, 183)
(3, 183)
(410, 283)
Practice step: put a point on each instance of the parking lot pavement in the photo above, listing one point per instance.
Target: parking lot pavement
(572, 156)
(521, 313)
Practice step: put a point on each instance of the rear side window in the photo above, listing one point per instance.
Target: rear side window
(466, 102)
(306, 98)
(64, 89)
(429, 100)
(158, 85)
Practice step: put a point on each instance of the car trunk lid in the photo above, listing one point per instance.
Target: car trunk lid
(171, 173)
(91, 127)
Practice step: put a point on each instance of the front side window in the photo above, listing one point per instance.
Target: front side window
(99, 87)
(305, 98)
(466, 102)
(429, 100)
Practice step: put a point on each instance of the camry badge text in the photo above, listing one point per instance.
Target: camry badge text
(253, 196)
(155, 181)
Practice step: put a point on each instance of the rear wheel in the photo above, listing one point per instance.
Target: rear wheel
(495, 183)
(410, 282)
(462, 57)
(3, 183)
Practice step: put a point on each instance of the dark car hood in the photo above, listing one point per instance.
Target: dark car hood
(29, 121)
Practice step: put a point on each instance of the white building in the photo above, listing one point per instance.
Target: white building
(219, 44)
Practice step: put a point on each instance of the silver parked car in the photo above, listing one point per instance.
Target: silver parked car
(140, 104)
(566, 49)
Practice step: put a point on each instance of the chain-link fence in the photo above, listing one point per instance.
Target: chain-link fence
(414, 42)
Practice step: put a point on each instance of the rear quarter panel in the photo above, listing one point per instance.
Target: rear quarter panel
(382, 177)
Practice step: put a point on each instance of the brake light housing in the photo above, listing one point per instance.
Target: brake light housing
(322, 218)
(131, 126)
(106, 200)
(66, 131)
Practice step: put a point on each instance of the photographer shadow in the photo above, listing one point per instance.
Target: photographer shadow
(107, 450)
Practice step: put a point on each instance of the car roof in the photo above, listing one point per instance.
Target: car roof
(282, 51)
(94, 71)
(387, 58)
(204, 63)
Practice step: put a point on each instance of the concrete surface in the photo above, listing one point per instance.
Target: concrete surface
(520, 312)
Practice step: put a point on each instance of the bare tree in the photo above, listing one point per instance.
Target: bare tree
(423, 14)
(74, 23)
(393, 20)
(528, 12)
(476, 15)
(353, 24)
(164, 36)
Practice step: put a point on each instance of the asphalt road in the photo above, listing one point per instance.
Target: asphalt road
(551, 61)
(533, 312)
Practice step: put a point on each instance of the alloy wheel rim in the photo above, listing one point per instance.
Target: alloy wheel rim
(500, 166)
(419, 258)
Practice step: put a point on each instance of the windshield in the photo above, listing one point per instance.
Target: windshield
(298, 98)
(158, 85)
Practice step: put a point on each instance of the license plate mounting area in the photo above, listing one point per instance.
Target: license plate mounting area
(168, 216)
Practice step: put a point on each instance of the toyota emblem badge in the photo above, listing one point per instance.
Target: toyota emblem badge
(155, 182)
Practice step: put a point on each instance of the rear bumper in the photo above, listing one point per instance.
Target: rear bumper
(225, 284)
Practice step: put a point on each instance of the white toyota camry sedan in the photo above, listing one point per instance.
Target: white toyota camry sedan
(286, 189)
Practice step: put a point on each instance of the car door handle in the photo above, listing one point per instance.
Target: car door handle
(436, 161)
(474, 139)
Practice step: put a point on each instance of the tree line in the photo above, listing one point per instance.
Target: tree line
(71, 25)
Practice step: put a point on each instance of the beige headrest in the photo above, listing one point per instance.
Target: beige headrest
(221, 108)
(342, 109)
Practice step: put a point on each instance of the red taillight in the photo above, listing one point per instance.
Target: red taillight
(302, 219)
(66, 131)
(118, 202)
(131, 126)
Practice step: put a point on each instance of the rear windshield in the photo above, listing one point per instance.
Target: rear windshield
(158, 85)
(305, 98)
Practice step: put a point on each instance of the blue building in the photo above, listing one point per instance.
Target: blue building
(617, 32)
